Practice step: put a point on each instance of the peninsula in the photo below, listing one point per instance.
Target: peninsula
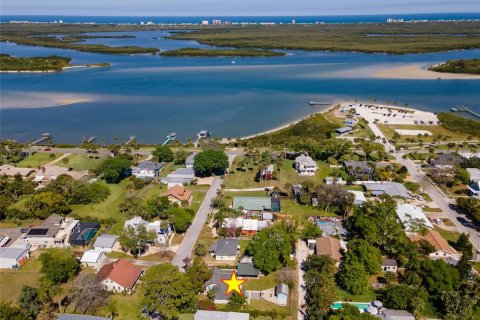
(470, 66)
(39, 64)
(195, 52)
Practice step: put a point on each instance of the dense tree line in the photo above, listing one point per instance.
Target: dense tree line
(459, 124)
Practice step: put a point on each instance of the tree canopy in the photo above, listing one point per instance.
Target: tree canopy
(210, 162)
(163, 153)
(115, 169)
(59, 266)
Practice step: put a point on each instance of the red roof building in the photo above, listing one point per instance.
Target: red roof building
(119, 276)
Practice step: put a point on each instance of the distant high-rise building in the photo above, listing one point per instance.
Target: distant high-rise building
(205, 22)
(391, 20)
(216, 22)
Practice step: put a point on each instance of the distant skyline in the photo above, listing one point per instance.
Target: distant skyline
(233, 8)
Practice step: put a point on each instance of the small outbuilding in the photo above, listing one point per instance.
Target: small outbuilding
(13, 258)
(92, 258)
(105, 243)
(281, 292)
(389, 265)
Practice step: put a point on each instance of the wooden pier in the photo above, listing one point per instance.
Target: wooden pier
(171, 137)
(317, 103)
(130, 140)
(465, 109)
(46, 137)
(89, 139)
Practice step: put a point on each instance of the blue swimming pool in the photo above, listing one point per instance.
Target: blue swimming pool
(359, 305)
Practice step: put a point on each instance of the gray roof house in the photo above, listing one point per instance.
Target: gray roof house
(393, 189)
(190, 160)
(216, 283)
(446, 160)
(247, 269)
(105, 242)
(146, 169)
(220, 315)
(305, 165)
(179, 176)
(225, 249)
(390, 314)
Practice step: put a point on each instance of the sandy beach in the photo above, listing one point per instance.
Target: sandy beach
(416, 71)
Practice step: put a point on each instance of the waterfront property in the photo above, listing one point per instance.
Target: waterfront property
(180, 176)
(11, 171)
(146, 169)
(305, 165)
(119, 276)
(190, 160)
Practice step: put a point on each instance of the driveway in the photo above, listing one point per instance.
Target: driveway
(301, 254)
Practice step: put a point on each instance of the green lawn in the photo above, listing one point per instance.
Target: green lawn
(38, 159)
(389, 130)
(128, 306)
(368, 296)
(450, 236)
(291, 207)
(262, 283)
(243, 246)
(198, 193)
(81, 162)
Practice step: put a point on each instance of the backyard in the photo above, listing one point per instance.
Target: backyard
(81, 162)
(38, 159)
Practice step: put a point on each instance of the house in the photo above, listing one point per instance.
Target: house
(359, 197)
(393, 189)
(389, 265)
(257, 204)
(162, 229)
(474, 186)
(135, 222)
(51, 172)
(247, 270)
(83, 232)
(390, 314)
(305, 165)
(267, 173)
(281, 292)
(225, 249)
(359, 168)
(105, 243)
(190, 160)
(412, 217)
(446, 161)
(220, 315)
(119, 276)
(179, 195)
(180, 176)
(52, 232)
(267, 216)
(92, 258)
(349, 122)
(335, 180)
(13, 258)
(343, 130)
(146, 169)
(442, 249)
(216, 283)
(249, 226)
(11, 171)
(65, 316)
(328, 246)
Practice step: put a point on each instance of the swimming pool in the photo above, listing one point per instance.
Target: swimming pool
(89, 234)
(359, 305)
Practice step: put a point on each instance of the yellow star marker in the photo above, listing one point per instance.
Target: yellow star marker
(234, 283)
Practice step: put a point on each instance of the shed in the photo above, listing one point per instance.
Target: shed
(391, 314)
(105, 242)
(11, 258)
(92, 258)
(281, 292)
(359, 197)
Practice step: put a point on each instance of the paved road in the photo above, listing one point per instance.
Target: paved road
(186, 247)
(437, 197)
(301, 253)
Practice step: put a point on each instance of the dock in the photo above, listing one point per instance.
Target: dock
(130, 140)
(171, 137)
(465, 109)
(46, 137)
(317, 103)
(89, 139)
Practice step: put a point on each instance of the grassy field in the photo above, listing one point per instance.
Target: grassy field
(80, 162)
(396, 39)
(128, 306)
(38, 159)
(262, 283)
(368, 296)
(292, 208)
(196, 52)
(389, 130)
(198, 193)
(450, 236)
(51, 63)
(242, 180)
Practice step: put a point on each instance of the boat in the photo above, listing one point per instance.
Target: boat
(233, 62)
(172, 136)
(204, 134)
(454, 109)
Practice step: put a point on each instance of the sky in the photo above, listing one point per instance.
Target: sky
(232, 7)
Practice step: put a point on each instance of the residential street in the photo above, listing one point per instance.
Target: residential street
(301, 253)
(430, 189)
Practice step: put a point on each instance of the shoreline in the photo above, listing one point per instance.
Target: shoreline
(54, 71)
(417, 72)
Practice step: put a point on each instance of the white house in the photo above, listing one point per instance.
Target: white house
(11, 258)
(146, 169)
(389, 265)
(162, 229)
(412, 217)
(105, 243)
(332, 180)
(305, 165)
(225, 249)
(474, 185)
(359, 197)
(92, 258)
(119, 276)
(52, 232)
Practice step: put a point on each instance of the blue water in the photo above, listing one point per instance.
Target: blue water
(359, 305)
(150, 96)
(247, 19)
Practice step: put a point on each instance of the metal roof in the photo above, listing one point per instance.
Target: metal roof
(247, 269)
(105, 241)
(225, 247)
(11, 252)
(220, 315)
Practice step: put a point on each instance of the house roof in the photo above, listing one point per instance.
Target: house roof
(148, 165)
(91, 256)
(48, 228)
(343, 129)
(267, 216)
(446, 159)
(305, 160)
(225, 247)
(252, 203)
(407, 212)
(389, 263)
(105, 241)
(220, 315)
(328, 246)
(122, 272)
(282, 288)
(474, 174)
(220, 287)
(393, 189)
(364, 165)
(135, 222)
(11, 171)
(436, 240)
(391, 314)
(53, 171)
(247, 269)
(79, 317)
(359, 196)
(11, 252)
(180, 193)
